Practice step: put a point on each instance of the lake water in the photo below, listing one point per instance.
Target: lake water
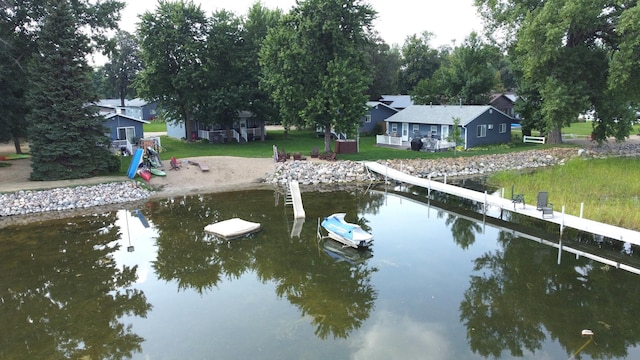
(442, 281)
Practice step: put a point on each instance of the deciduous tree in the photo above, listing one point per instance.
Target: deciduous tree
(468, 76)
(315, 66)
(573, 56)
(419, 61)
(123, 66)
(173, 49)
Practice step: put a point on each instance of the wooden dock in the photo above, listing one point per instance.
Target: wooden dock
(489, 200)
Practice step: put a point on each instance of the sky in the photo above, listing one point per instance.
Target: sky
(397, 19)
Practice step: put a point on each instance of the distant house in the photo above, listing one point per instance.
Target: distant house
(247, 127)
(136, 108)
(505, 103)
(479, 124)
(377, 112)
(124, 131)
(397, 102)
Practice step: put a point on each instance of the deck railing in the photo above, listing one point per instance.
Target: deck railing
(389, 140)
(119, 144)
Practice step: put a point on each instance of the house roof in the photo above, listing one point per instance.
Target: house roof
(111, 115)
(137, 102)
(440, 114)
(397, 101)
(509, 96)
(372, 104)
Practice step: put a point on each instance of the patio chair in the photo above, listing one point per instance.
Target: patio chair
(175, 165)
(315, 153)
(516, 198)
(543, 204)
(283, 155)
(330, 156)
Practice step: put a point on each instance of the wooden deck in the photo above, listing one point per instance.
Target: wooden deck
(489, 200)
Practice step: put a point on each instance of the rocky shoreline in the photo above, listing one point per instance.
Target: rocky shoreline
(26, 202)
(310, 173)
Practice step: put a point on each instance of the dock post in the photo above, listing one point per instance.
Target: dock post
(386, 168)
(581, 209)
(429, 187)
(485, 201)
(445, 178)
(562, 221)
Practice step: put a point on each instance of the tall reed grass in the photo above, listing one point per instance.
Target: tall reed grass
(608, 188)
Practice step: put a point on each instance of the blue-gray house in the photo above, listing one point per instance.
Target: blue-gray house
(136, 108)
(479, 124)
(124, 127)
(398, 102)
(377, 113)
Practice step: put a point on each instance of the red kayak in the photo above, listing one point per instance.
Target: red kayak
(145, 174)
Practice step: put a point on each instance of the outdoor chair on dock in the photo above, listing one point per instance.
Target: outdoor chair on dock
(516, 198)
(544, 205)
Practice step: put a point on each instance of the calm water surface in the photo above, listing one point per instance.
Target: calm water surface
(441, 282)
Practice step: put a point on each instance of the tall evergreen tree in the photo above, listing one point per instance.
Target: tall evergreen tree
(67, 134)
(20, 26)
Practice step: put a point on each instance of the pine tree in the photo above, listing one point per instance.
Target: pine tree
(67, 135)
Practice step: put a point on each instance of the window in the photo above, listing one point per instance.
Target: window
(490, 126)
(434, 130)
(482, 131)
(126, 133)
(503, 128)
(416, 128)
(394, 128)
(367, 118)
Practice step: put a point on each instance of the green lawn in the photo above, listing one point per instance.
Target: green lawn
(155, 126)
(607, 188)
(303, 142)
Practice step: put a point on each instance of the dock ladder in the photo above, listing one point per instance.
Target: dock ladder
(294, 198)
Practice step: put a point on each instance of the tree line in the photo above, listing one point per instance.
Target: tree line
(315, 65)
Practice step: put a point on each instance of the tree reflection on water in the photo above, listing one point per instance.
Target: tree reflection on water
(63, 299)
(338, 296)
(62, 295)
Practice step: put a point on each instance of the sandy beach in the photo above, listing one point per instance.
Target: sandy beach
(225, 173)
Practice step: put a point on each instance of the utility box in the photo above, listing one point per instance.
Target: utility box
(346, 147)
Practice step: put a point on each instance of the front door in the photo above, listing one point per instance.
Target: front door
(405, 131)
(445, 132)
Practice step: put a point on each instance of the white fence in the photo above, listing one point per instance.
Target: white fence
(533, 139)
(389, 140)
